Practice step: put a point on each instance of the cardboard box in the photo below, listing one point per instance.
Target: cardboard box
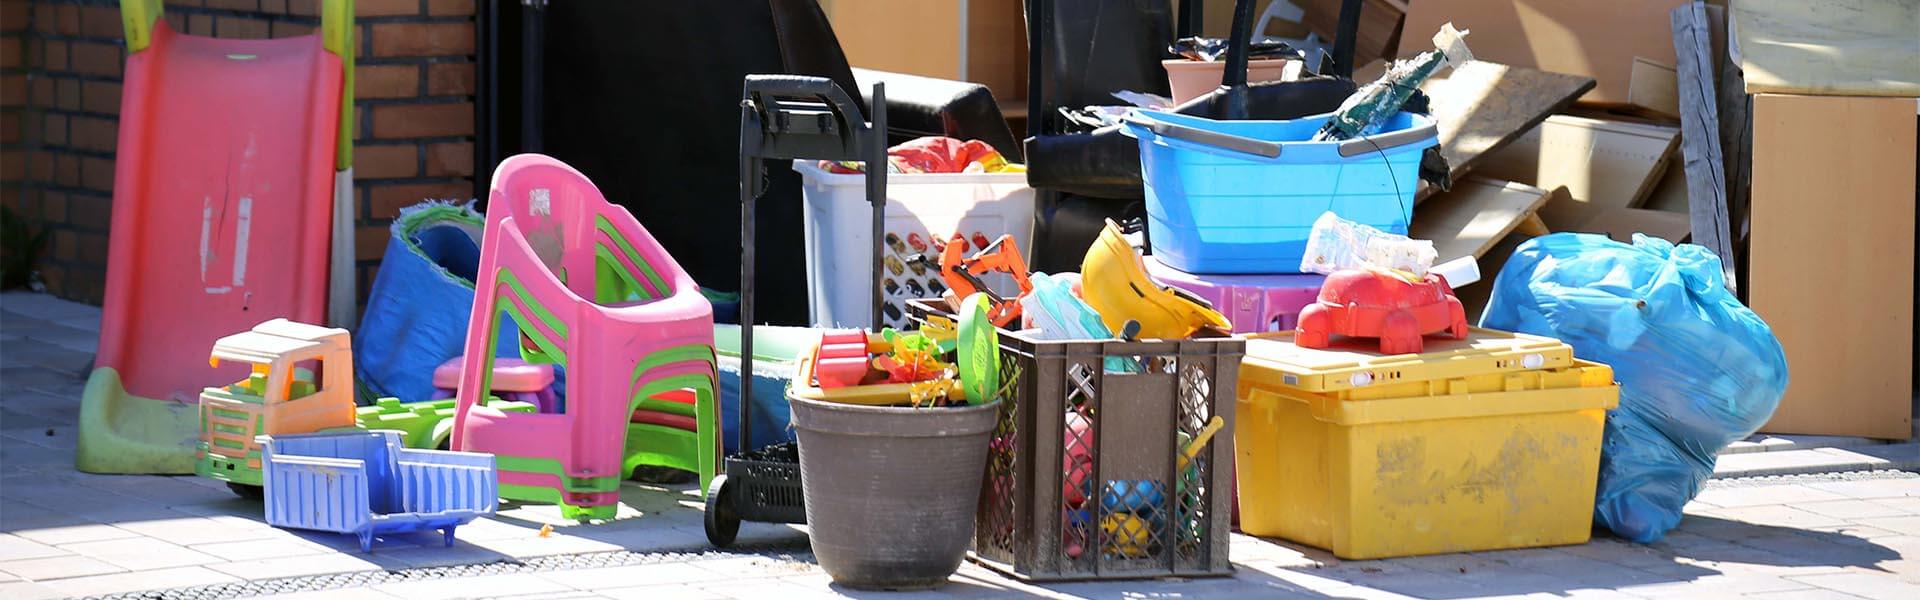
(1597, 39)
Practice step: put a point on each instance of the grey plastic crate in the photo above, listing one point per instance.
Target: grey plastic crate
(1028, 524)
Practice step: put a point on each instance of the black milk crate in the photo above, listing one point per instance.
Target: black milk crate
(1107, 500)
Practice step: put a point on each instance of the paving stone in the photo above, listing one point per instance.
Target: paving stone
(1765, 494)
(1809, 594)
(26, 590)
(474, 587)
(1877, 587)
(138, 581)
(70, 534)
(1905, 504)
(1909, 525)
(58, 567)
(257, 549)
(629, 576)
(1777, 516)
(759, 589)
(190, 531)
(359, 593)
(661, 592)
(433, 554)
(1725, 585)
(141, 553)
(1872, 488)
(529, 547)
(295, 566)
(13, 547)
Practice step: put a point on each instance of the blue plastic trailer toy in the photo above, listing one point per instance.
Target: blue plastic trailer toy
(368, 483)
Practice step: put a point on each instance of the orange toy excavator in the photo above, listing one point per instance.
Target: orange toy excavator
(962, 274)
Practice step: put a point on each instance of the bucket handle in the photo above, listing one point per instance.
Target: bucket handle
(1365, 144)
(1196, 135)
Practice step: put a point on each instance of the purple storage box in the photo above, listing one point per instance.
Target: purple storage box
(1253, 303)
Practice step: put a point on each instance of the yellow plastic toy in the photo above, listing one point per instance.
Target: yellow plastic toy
(1114, 282)
(1127, 535)
(274, 398)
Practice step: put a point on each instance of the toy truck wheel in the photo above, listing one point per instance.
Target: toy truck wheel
(250, 492)
(722, 523)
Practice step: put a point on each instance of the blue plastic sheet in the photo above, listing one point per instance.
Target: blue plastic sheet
(1697, 370)
(417, 311)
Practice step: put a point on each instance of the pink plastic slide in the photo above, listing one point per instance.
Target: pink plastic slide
(223, 198)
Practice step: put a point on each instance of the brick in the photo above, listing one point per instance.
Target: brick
(176, 21)
(385, 8)
(284, 29)
(68, 22)
(54, 129)
(101, 22)
(92, 133)
(66, 94)
(423, 120)
(201, 25)
(450, 7)
(273, 7)
(96, 58)
(96, 174)
(40, 167)
(450, 79)
(240, 28)
(43, 92)
(186, 2)
(13, 90)
(89, 212)
(53, 207)
(13, 165)
(304, 8)
(66, 245)
(450, 159)
(387, 200)
(12, 52)
(13, 16)
(11, 131)
(385, 161)
(386, 81)
(242, 5)
(100, 97)
(370, 243)
(423, 39)
(66, 168)
(55, 55)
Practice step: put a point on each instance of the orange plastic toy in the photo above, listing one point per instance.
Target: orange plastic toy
(1376, 304)
(962, 274)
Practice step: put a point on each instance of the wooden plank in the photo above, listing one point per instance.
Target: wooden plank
(1654, 87)
(1830, 47)
(1670, 194)
(1595, 39)
(1832, 268)
(1483, 106)
(1621, 223)
(1533, 226)
(1700, 146)
(1476, 213)
(1603, 163)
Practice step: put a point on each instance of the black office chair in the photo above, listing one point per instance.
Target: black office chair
(643, 97)
(1083, 51)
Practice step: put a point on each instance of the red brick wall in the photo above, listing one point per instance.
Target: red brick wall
(60, 70)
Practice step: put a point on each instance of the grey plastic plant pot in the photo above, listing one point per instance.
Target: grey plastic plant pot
(891, 492)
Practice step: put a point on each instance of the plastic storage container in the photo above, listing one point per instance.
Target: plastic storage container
(921, 207)
(367, 484)
(1083, 479)
(1253, 303)
(1450, 457)
(1242, 196)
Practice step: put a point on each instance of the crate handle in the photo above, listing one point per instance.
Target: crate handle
(1365, 144)
(1196, 135)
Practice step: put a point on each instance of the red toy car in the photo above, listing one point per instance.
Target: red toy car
(1381, 305)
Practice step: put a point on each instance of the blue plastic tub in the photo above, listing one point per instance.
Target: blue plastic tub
(1235, 197)
(367, 483)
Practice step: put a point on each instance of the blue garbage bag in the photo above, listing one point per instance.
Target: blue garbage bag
(1697, 369)
(772, 418)
(417, 311)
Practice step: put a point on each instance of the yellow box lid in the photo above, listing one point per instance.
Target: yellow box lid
(1348, 363)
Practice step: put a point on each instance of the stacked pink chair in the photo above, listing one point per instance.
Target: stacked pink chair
(593, 292)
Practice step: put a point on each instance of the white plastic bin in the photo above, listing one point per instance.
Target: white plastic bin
(920, 207)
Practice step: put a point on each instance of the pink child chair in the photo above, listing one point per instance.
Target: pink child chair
(513, 380)
(593, 292)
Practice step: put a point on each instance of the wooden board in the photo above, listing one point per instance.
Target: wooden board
(1706, 173)
(1596, 39)
(1670, 194)
(1606, 164)
(1476, 213)
(1654, 87)
(1830, 47)
(1621, 223)
(1832, 267)
(1482, 106)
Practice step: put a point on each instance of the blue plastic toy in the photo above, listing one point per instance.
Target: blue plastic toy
(367, 483)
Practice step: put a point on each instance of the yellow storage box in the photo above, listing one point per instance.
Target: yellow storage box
(1471, 460)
